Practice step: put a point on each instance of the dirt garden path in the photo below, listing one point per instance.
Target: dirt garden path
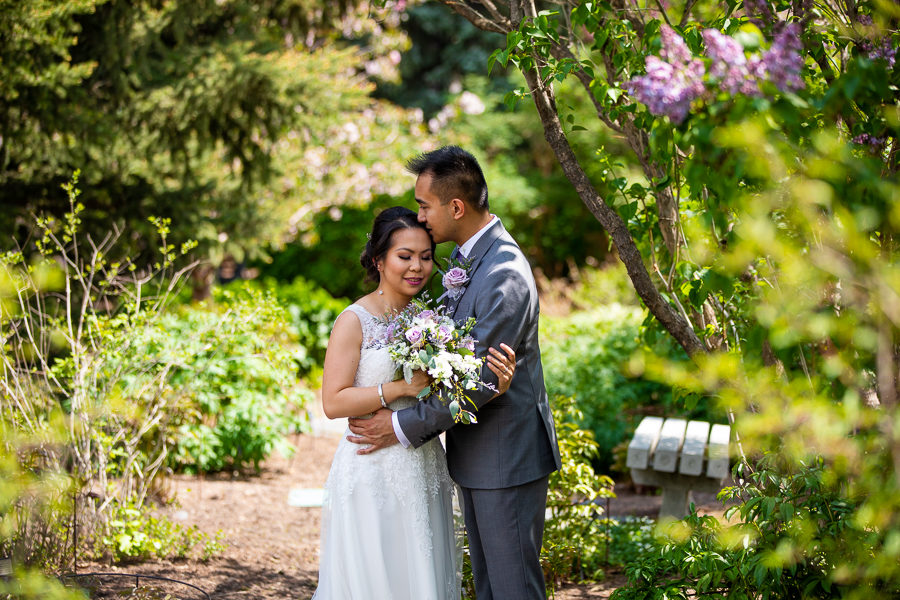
(272, 544)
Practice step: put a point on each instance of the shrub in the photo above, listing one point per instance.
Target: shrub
(573, 546)
(796, 534)
(135, 533)
(233, 377)
(586, 356)
(84, 412)
(311, 312)
(628, 539)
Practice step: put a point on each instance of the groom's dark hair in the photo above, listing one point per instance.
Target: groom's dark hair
(455, 174)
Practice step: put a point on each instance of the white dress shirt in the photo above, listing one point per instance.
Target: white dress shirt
(464, 251)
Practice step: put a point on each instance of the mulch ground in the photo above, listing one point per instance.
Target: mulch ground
(272, 547)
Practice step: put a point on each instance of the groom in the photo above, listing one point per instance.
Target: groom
(503, 462)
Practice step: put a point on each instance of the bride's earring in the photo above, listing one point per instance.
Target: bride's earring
(381, 292)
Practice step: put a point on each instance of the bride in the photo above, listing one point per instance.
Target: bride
(387, 518)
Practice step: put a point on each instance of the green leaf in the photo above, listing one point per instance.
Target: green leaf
(492, 59)
(628, 210)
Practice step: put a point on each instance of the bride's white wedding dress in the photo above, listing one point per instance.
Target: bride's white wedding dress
(387, 519)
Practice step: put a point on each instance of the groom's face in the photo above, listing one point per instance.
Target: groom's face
(436, 217)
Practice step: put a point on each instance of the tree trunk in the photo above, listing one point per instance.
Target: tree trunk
(202, 280)
(675, 323)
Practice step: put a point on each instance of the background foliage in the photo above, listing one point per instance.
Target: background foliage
(104, 384)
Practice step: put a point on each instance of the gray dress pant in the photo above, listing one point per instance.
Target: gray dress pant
(505, 528)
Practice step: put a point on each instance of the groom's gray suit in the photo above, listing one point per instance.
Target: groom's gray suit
(502, 463)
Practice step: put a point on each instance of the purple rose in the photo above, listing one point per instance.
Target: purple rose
(468, 343)
(454, 280)
(444, 334)
(415, 336)
(426, 314)
(455, 277)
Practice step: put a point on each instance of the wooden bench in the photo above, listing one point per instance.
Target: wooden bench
(679, 456)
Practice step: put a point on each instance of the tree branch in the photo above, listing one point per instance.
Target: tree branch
(627, 250)
(499, 25)
(687, 12)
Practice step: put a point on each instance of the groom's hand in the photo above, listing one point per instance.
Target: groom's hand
(377, 431)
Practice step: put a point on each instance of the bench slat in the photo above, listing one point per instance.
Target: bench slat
(694, 448)
(644, 442)
(719, 463)
(670, 438)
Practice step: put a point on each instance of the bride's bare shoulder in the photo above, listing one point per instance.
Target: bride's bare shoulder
(348, 325)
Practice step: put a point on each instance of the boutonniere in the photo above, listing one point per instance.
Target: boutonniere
(455, 278)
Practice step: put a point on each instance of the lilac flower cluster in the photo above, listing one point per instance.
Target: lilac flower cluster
(783, 60)
(885, 51)
(671, 84)
(675, 78)
(875, 144)
(730, 67)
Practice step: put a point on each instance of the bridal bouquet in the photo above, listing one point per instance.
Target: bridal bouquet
(425, 337)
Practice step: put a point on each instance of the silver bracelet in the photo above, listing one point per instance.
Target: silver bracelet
(381, 396)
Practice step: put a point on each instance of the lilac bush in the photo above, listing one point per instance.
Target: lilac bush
(676, 78)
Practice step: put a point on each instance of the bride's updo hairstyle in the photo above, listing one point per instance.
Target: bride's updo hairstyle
(386, 223)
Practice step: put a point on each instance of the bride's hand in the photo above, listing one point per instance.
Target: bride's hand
(420, 380)
(503, 366)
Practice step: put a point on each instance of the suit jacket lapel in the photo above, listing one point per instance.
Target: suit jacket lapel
(478, 252)
(451, 302)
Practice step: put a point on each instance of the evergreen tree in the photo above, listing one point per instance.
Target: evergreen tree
(183, 109)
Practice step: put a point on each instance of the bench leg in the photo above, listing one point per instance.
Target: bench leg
(675, 502)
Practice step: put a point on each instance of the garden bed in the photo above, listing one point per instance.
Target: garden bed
(272, 547)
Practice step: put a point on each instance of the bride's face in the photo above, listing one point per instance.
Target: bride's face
(408, 264)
